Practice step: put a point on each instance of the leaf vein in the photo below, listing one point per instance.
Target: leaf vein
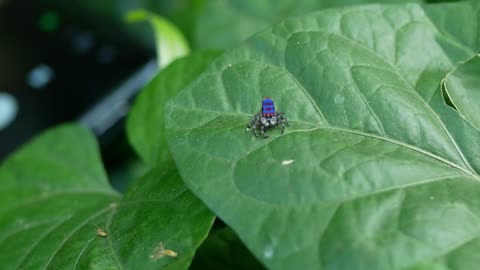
(76, 229)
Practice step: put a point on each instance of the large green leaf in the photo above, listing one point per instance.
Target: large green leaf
(235, 20)
(55, 196)
(145, 123)
(375, 172)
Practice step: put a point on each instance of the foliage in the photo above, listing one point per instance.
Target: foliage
(381, 173)
(384, 174)
(145, 123)
(59, 211)
(236, 20)
(170, 42)
(462, 86)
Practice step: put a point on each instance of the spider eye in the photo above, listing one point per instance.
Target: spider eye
(263, 120)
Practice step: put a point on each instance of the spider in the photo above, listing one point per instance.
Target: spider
(267, 118)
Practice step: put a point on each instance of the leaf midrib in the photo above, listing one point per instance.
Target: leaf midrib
(352, 131)
(373, 136)
(82, 251)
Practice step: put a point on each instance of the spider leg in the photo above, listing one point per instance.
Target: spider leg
(252, 121)
(255, 130)
(283, 118)
(262, 130)
(254, 124)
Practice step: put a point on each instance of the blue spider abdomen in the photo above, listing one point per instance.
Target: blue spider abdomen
(268, 108)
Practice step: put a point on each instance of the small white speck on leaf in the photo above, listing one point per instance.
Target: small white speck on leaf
(432, 198)
(229, 65)
(268, 252)
(287, 162)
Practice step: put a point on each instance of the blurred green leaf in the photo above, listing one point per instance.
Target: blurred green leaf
(57, 211)
(170, 42)
(381, 174)
(107, 17)
(145, 123)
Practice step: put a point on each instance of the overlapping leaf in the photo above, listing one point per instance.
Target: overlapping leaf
(463, 87)
(381, 174)
(57, 211)
(145, 125)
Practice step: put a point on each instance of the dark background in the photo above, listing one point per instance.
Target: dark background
(77, 61)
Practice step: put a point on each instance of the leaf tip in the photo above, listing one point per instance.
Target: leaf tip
(137, 15)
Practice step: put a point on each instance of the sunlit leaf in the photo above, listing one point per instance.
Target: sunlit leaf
(170, 42)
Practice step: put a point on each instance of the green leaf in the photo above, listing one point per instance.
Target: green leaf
(170, 41)
(463, 88)
(224, 250)
(235, 20)
(375, 171)
(159, 211)
(57, 211)
(145, 123)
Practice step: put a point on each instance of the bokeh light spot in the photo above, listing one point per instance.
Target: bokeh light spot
(83, 42)
(8, 109)
(106, 55)
(49, 21)
(40, 76)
